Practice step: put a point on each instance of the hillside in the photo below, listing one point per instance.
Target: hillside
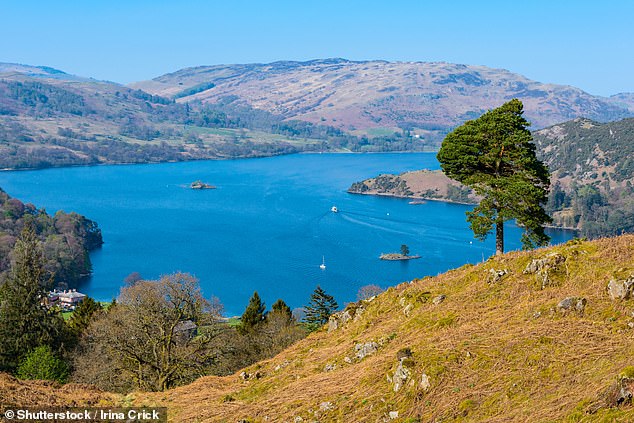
(527, 336)
(378, 97)
(66, 239)
(49, 118)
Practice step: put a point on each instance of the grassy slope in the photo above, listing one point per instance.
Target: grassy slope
(486, 354)
(488, 357)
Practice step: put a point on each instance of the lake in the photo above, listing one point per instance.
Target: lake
(266, 227)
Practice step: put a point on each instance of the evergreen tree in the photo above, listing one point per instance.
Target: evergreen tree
(25, 322)
(495, 156)
(279, 307)
(320, 307)
(404, 250)
(43, 364)
(82, 315)
(253, 314)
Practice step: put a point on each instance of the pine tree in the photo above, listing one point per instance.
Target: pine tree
(495, 156)
(279, 307)
(320, 307)
(253, 314)
(83, 314)
(25, 322)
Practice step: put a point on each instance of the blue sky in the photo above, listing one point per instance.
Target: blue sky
(588, 44)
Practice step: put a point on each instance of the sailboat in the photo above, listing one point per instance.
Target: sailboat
(322, 266)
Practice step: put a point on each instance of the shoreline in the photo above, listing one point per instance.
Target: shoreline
(25, 169)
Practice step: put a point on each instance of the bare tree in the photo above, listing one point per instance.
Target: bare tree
(158, 335)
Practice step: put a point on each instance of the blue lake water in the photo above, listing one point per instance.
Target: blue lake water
(265, 228)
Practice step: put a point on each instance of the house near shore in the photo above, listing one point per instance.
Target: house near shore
(66, 298)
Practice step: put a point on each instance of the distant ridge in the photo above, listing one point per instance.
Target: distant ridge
(369, 96)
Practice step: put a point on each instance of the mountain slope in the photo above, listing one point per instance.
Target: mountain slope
(495, 349)
(49, 118)
(592, 167)
(371, 96)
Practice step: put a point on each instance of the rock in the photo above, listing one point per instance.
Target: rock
(544, 268)
(393, 415)
(407, 310)
(326, 406)
(330, 367)
(337, 320)
(621, 289)
(569, 304)
(497, 275)
(620, 393)
(363, 350)
(439, 299)
(425, 384)
(347, 359)
(630, 325)
(298, 419)
(244, 375)
(352, 312)
(403, 354)
(401, 375)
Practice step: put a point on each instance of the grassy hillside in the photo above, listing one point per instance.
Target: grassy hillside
(492, 342)
(527, 336)
(490, 351)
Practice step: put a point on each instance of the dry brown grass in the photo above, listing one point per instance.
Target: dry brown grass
(37, 393)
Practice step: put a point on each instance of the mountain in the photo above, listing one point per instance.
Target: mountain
(377, 97)
(52, 118)
(536, 336)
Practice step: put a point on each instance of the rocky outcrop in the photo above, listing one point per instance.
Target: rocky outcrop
(363, 350)
(572, 304)
(439, 299)
(496, 275)
(620, 393)
(352, 312)
(546, 268)
(621, 289)
(403, 370)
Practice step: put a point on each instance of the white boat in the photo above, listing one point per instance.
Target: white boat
(334, 209)
(322, 266)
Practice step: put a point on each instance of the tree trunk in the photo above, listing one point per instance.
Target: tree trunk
(499, 237)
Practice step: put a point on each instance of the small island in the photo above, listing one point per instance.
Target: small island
(397, 256)
(201, 185)
(403, 255)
